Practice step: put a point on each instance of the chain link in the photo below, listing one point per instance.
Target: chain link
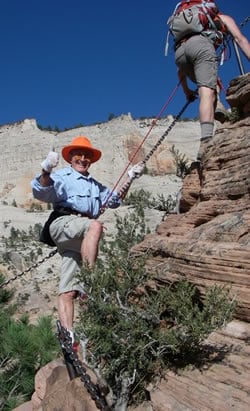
(51, 254)
(158, 143)
(247, 19)
(79, 370)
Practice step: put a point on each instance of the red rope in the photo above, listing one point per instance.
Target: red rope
(220, 84)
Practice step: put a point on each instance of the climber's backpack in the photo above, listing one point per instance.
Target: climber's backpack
(192, 17)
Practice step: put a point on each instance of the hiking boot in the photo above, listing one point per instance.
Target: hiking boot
(202, 148)
(196, 164)
(75, 346)
(74, 342)
(221, 115)
(70, 334)
(82, 298)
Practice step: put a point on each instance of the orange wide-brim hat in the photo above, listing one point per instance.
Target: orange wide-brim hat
(84, 143)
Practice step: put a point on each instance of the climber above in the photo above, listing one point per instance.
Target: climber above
(199, 29)
(73, 227)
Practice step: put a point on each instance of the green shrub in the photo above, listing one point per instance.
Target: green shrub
(24, 348)
(181, 162)
(142, 198)
(135, 327)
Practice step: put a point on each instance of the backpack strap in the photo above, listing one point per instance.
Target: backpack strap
(167, 44)
(208, 16)
(168, 21)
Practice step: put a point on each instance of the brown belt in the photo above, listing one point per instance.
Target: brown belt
(183, 40)
(69, 211)
(180, 42)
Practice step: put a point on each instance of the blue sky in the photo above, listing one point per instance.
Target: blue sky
(66, 62)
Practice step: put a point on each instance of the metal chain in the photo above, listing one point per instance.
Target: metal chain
(247, 19)
(125, 187)
(51, 254)
(71, 356)
(168, 130)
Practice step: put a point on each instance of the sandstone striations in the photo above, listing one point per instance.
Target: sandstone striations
(208, 243)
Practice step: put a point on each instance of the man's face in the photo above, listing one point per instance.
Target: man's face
(81, 159)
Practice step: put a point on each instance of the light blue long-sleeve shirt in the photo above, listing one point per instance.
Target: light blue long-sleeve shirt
(71, 189)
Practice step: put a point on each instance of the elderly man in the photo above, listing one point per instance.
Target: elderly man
(73, 227)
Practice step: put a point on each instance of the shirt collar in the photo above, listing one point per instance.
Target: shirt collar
(78, 175)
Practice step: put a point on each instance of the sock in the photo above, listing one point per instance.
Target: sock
(207, 129)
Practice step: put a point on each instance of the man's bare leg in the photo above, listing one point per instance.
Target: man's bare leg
(207, 100)
(89, 251)
(90, 243)
(66, 309)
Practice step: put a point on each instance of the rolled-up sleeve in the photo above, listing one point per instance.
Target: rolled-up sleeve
(46, 194)
(114, 200)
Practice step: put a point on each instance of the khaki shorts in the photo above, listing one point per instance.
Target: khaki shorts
(68, 233)
(197, 58)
